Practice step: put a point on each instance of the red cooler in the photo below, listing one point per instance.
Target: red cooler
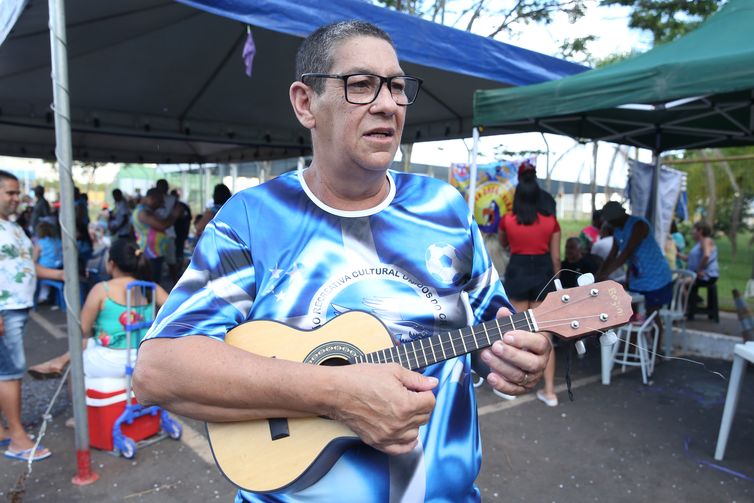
(105, 402)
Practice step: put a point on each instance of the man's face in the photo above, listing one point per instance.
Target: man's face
(9, 197)
(366, 136)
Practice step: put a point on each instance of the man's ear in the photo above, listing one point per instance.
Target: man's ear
(301, 100)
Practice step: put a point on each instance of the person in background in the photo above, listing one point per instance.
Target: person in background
(17, 285)
(41, 208)
(104, 315)
(220, 195)
(532, 234)
(591, 233)
(634, 245)
(702, 260)
(169, 202)
(182, 226)
(150, 229)
(680, 244)
(575, 264)
(120, 217)
(601, 249)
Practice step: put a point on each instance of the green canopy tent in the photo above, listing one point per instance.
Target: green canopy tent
(695, 92)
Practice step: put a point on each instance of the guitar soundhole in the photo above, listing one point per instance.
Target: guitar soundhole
(335, 362)
(333, 354)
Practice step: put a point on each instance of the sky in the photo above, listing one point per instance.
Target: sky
(610, 26)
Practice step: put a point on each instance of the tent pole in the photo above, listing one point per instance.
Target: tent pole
(472, 171)
(63, 154)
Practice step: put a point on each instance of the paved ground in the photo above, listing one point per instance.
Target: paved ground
(623, 442)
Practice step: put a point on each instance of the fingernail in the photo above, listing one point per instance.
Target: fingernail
(486, 356)
(433, 380)
(509, 338)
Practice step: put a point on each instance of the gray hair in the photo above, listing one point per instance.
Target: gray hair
(316, 52)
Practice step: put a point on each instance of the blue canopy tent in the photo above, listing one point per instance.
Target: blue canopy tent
(160, 81)
(163, 81)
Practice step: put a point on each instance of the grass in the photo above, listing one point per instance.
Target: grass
(732, 274)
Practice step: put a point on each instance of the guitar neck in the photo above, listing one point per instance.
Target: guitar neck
(421, 353)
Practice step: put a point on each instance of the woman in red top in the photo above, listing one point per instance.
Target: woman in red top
(532, 233)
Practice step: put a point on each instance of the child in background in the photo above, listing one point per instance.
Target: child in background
(48, 251)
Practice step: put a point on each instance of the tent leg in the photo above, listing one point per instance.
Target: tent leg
(64, 155)
(472, 171)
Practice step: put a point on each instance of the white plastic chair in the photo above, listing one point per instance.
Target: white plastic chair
(683, 280)
(742, 354)
(627, 353)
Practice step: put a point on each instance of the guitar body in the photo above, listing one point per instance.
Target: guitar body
(246, 452)
(292, 453)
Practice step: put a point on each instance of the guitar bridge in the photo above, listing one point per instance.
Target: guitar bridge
(278, 428)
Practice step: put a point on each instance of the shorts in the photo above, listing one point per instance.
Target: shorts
(528, 277)
(12, 356)
(100, 361)
(654, 299)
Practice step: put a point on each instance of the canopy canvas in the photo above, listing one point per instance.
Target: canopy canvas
(695, 92)
(163, 81)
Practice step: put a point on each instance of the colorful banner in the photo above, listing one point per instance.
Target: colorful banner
(496, 184)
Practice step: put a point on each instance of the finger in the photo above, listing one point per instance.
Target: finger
(533, 342)
(503, 312)
(416, 381)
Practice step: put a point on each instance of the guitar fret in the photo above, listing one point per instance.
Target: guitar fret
(513, 324)
(442, 346)
(484, 326)
(498, 328)
(528, 323)
(384, 356)
(432, 347)
(408, 358)
(421, 342)
(452, 344)
(398, 352)
(463, 341)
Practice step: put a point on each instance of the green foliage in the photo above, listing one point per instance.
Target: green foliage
(667, 19)
(507, 16)
(698, 190)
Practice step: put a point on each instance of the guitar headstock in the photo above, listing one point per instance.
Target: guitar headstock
(575, 312)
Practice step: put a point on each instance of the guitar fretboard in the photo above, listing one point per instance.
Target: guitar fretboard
(421, 353)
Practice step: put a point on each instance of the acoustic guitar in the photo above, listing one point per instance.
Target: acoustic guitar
(272, 454)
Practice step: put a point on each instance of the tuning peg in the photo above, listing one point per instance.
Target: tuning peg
(585, 279)
(580, 348)
(608, 338)
(558, 284)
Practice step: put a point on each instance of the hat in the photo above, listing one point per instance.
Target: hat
(612, 211)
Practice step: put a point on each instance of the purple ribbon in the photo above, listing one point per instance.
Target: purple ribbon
(249, 51)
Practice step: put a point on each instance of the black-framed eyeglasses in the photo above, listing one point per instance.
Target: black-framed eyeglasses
(363, 88)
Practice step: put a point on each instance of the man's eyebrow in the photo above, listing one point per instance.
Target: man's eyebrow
(353, 71)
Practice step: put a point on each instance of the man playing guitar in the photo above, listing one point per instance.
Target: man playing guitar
(343, 235)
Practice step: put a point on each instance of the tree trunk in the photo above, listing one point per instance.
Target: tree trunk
(736, 214)
(711, 194)
(610, 171)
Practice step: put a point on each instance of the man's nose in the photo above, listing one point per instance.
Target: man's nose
(385, 99)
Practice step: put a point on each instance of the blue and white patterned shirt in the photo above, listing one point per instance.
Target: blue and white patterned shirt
(416, 261)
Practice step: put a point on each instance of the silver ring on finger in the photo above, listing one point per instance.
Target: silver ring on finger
(524, 380)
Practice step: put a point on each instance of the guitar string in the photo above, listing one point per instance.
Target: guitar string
(442, 344)
(665, 357)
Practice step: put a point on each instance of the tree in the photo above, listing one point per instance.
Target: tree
(508, 16)
(667, 19)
